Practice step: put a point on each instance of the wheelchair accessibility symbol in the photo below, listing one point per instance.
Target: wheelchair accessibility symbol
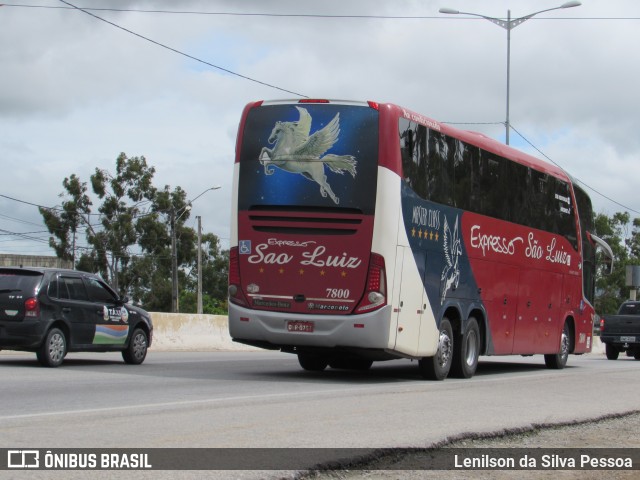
(245, 247)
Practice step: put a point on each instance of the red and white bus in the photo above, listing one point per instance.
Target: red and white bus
(364, 231)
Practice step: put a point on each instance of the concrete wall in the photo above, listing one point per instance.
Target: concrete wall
(9, 260)
(189, 331)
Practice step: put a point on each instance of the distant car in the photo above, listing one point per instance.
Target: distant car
(53, 311)
(621, 332)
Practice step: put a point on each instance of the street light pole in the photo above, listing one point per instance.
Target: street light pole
(509, 25)
(509, 28)
(199, 307)
(174, 264)
(175, 308)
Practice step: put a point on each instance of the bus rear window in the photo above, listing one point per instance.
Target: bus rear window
(309, 155)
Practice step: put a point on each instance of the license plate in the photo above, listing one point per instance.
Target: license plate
(627, 339)
(297, 326)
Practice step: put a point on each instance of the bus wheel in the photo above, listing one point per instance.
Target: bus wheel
(313, 363)
(438, 366)
(466, 350)
(611, 351)
(558, 360)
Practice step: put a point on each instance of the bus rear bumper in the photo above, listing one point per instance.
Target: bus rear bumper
(278, 329)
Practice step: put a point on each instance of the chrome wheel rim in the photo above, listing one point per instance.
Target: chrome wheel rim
(56, 347)
(444, 349)
(564, 345)
(139, 346)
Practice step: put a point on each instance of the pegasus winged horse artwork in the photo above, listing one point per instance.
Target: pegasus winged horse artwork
(452, 250)
(296, 151)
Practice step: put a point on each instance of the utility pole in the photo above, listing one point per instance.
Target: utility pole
(174, 264)
(175, 306)
(199, 264)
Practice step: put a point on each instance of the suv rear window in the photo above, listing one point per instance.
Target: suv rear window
(629, 309)
(19, 282)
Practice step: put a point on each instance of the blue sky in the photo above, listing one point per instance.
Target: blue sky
(75, 92)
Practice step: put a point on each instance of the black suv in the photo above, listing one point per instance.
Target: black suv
(54, 311)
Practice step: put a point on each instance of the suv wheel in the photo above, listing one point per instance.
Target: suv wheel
(137, 349)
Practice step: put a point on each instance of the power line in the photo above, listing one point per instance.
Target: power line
(583, 183)
(18, 220)
(179, 52)
(88, 12)
(28, 203)
(24, 236)
(291, 15)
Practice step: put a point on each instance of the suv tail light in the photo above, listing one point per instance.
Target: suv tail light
(375, 295)
(31, 307)
(602, 325)
(235, 290)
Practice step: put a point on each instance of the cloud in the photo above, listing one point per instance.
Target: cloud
(76, 91)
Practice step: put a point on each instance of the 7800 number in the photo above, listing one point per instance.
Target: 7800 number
(337, 293)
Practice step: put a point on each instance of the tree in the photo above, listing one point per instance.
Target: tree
(623, 236)
(152, 271)
(122, 196)
(129, 236)
(64, 222)
(112, 234)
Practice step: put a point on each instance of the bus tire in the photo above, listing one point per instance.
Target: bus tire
(466, 351)
(611, 351)
(312, 363)
(438, 366)
(558, 361)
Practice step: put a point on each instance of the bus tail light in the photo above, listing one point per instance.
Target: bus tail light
(375, 295)
(31, 307)
(235, 290)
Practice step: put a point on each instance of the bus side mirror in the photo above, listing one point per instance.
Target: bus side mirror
(608, 253)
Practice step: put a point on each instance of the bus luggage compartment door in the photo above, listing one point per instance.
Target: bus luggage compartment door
(408, 301)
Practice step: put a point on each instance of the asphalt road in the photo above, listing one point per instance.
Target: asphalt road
(264, 399)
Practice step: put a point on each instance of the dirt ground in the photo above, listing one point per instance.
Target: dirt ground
(617, 431)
